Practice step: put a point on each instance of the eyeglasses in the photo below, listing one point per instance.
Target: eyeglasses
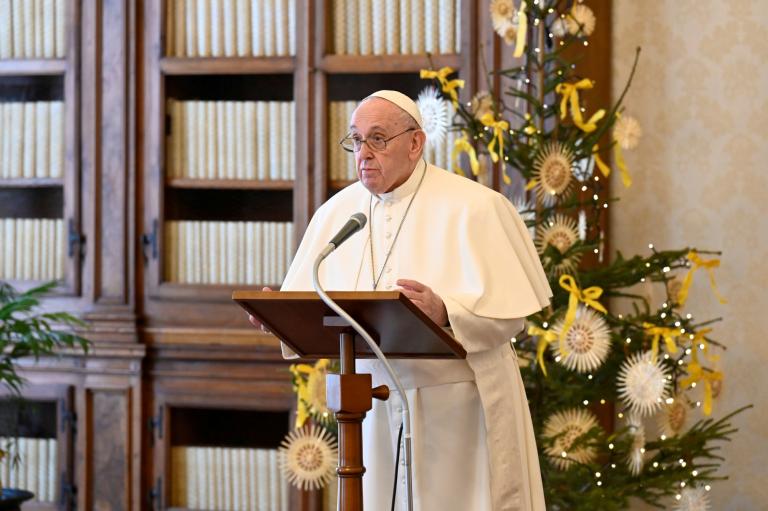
(353, 143)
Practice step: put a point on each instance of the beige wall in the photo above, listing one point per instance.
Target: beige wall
(701, 179)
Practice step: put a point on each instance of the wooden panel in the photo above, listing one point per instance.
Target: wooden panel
(19, 67)
(231, 65)
(109, 450)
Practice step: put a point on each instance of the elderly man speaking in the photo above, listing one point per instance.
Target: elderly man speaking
(460, 252)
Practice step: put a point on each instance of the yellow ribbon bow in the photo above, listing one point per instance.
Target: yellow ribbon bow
(545, 338)
(448, 86)
(570, 92)
(668, 334)
(699, 339)
(301, 373)
(522, 28)
(619, 157)
(462, 145)
(589, 296)
(696, 373)
(698, 262)
(499, 127)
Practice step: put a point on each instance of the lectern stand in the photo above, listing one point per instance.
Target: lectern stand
(303, 322)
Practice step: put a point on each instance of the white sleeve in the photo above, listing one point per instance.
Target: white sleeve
(478, 333)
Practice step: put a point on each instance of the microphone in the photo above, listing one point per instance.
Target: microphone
(354, 224)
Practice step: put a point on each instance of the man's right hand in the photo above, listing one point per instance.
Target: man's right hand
(255, 322)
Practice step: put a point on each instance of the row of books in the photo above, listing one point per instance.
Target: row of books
(32, 29)
(31, 248)
(36, 468)
(341, 163)
(31, 139)
(227, 479)
(389, 27)
(231, 140)
(205, 252)
(230, 28)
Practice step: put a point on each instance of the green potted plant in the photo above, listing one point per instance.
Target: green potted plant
(27, 331)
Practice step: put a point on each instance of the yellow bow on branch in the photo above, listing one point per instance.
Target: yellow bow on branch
(698, 262)
(301, 374)
(589, 296)
(696, 374)
(570, 92)
(668, 334)
(462, 145)
(498, 127)
(545, 338)
(700, 340)
(619, 157)
(448, 86)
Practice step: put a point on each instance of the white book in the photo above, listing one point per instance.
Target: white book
(333, 130)
(291, 244)
(236, 480)
(231, 235)
(199, 268)
(262, 145)
(53, 249)
(13, 473)
(243, 9)
(274, 480)
(258, 255)
(339, 27)
(28, 27)
(212, 171)
(240, 140)
(190, 13)
(457, 25)
(431, 20)
(18, 253)
(205, 253)
(249, 135)
(447, 26)
(60, 29)
(282, 250)
(53, 458)
(268, 27)
(379, 32)
(223, 253)
(273, 253)
(36, 237)
(213, 251)
(392, 27)
(248, 251)
(42, 143)
(5, 134)
(49, 28)
(6, 34)
(405, 26)
(23, 451)
(177, 138)
(179, 28)
(226, 480)
(191, 479)
(42, 470)
(251, 480)
(262, 478)
(417, 26)
(281, 27)
(274, 140)
(203, 28)
(16, 155)
(292, 135)
(230, 25)
(365, 13)
(202, 142)
(17, 24)
(257, 32)
(185, 256)
(204, 457)
(28, 159)
(217, 27)
(190, 140)
(37, 6)
(61, 240)
(219, 485)
(353, 27)
(291, 27)
(285, 140)
(242, 257)
(349, 164)
(221, 139)
(28, 244)
(3, 462)
(231, 133)
(56, 124)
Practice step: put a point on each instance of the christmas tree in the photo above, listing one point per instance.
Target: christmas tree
(615, 397)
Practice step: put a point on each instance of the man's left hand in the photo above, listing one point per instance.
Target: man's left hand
(425, 299)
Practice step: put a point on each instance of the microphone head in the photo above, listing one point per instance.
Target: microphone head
(360, 218)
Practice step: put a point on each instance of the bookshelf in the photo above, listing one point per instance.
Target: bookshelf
(39, 181)
(40, 428)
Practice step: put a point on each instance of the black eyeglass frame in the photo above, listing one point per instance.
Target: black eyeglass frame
(365, 140)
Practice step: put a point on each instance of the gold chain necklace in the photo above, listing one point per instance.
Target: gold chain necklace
(375, 280)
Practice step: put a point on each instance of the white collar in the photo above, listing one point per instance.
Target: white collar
(407, 188)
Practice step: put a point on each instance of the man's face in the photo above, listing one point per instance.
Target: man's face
(383, 171)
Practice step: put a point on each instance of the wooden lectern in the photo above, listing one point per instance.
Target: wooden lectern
(305, 323)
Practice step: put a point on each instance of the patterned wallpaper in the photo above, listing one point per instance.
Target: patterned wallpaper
(701, 96)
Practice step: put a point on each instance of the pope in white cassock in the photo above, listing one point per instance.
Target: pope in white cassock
(461, 253)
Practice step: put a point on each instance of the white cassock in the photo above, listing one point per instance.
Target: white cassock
(473, 442)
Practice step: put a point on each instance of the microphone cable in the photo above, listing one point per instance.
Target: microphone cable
(397, 464)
